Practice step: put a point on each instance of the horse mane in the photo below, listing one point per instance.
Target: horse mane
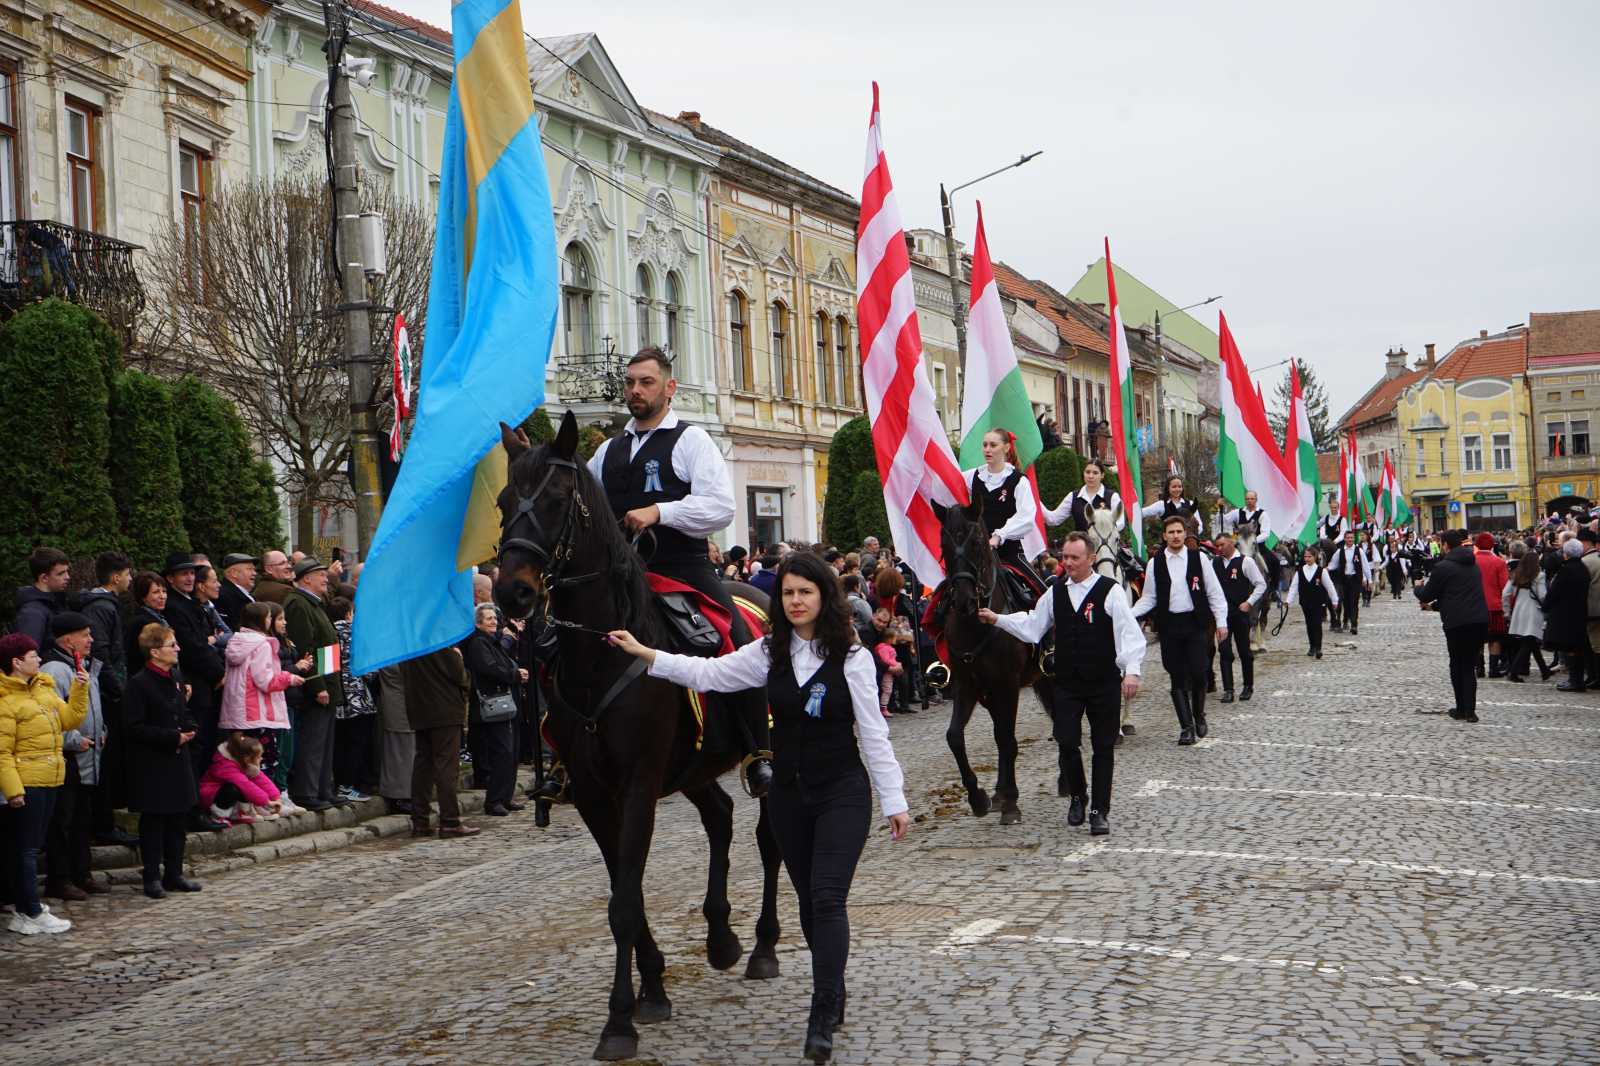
(625, 574)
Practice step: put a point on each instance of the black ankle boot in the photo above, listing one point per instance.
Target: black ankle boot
(1180, 704)
(819, 1027)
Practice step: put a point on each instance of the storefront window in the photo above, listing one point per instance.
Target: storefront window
(1491, 516)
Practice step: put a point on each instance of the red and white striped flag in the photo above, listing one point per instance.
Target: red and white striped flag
(915, 462)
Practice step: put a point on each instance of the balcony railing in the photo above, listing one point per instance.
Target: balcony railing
(594, 377)
(41, 258)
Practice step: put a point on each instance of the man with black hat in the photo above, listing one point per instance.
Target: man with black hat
(71, 826)
(310, 630)
(203, 667)
(238, 579)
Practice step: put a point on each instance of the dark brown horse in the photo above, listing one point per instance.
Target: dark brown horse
(987, 666)
(628, 739)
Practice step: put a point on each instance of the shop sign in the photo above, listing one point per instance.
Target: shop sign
(1488, 497)
(769, 504)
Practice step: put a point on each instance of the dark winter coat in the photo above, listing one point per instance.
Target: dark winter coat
(203, 665)
(1566, 608)
(104, 611)
(231, 602)
(160, 773)
(34, 611)
(436, 689)
(142, 616)
(490, 666)
(1455, 587)
(272, 590)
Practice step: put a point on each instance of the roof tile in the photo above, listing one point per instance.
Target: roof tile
(1563, 333)
(1500, 356)
(401, 19)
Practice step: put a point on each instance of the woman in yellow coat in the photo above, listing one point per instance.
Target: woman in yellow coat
(33, 720)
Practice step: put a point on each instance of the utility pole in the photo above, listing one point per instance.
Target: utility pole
(366, 442)
(959, 315)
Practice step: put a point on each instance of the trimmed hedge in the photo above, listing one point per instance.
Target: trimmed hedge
(145, 479)
(55, 434)
(869, 516)
(850, 455)
(538, 427)
(228, 502)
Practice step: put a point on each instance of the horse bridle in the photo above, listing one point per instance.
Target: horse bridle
(554, 559)
(982, 592)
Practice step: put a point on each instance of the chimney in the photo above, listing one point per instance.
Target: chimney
(1427, 360)
(689, 118)
(1395, 363)
(1483, 334)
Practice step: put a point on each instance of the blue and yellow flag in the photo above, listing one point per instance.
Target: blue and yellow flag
(491, 319)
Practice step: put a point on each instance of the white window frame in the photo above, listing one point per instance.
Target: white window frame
(1496, 449)
(1472, 453)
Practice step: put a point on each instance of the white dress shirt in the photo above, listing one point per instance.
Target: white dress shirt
(748, 667)
(1057, 515)
(1310, 573)
(1252, 573)
(1021, 523)
(708, 509)
(1349, 561)
(1179, 601)
(1230, 522)
(1031, 626)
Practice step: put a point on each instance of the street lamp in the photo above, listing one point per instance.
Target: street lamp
(1161, 354)
(959, 314)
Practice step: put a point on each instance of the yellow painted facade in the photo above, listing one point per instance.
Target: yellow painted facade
(1466, 452)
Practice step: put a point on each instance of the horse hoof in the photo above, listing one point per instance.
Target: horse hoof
(723, 950)
(1010, 816)
(763, 965)
(614, 1047)
(652, 1011)
(980, 802)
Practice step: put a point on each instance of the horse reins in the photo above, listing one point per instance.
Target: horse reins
(554, 559)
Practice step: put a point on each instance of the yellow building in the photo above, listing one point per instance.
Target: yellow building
(1466, 437)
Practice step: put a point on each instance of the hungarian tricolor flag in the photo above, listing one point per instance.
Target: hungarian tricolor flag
(994, 396)
(1124, 427)
(1248, 458)
(1362, 491)
(1391, 501)
(1300, 452)
(327, 660)
(401, 384)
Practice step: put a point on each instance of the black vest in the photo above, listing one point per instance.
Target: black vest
(1194, 578)
(1183, 509)
(814, 747)
(1086, 642)
(1311, 592)
(1081, 508)
(1245, 516)
(649, 478)
(1336, 563)
(1236, 588)
(999, 505)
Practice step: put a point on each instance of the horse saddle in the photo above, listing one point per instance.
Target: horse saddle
(690, 629)
(1020, 593)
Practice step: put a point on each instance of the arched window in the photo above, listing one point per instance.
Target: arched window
(824, 380)
(643, 295)
(674, 303)
(782, 365)
(844, 367)
(577, 301)
(739, 338)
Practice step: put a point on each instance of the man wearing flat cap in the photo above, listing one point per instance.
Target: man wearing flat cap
(238, 581)
(310, 629)
(70, 834)
(202, 665)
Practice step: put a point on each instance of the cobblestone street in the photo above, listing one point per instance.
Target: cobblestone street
(1330, 877)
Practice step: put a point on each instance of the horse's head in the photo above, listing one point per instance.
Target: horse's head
(543, 516)
(1245, 535)
(968, 562)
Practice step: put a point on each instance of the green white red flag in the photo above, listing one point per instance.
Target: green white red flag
(993, 396)
(1124, 427)
(1391, 499)
(327, 660)
(1300, 451)
(1248, 458)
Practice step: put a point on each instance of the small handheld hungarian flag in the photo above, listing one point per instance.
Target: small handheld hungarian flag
(327, 661)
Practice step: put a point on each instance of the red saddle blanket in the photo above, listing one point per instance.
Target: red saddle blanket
(929, 614)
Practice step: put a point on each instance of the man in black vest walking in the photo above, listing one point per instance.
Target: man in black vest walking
(1242, 586)
(1185, 596)
(667, 476)
(1349, 569)
(1102, 652)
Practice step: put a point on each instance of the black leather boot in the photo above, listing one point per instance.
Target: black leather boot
(1197, 707)
(1076, 809)
(819, 1027)
(1180, 703)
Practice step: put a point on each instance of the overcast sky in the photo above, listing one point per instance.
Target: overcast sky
(1348, 177)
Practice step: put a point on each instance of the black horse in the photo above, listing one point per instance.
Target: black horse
(987, 666)
(628, 739)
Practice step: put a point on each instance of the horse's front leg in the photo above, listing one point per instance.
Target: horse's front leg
(716, 815)
(1004, 715)
(763, 963)
(637, 809)
(956, 736)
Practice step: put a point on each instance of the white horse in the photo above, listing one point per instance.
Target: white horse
(1112, 560)
(1246, 537)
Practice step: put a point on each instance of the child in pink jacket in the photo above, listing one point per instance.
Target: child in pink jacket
(252, 690)
(234, 788)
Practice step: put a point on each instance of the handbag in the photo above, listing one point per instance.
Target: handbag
(501, 708)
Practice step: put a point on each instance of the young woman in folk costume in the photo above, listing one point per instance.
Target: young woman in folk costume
(1008, 502)
(1172, 502)
(1080, 506)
